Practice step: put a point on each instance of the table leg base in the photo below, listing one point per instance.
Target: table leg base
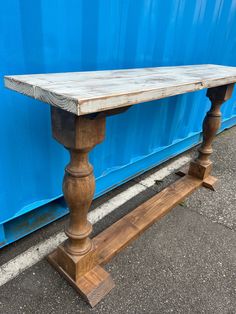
(208, 182)
(96, 283)
(92, 286)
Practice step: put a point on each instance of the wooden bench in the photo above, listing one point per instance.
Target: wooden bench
(80, 103)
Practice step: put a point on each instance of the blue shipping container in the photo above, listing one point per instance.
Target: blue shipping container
(40, 36)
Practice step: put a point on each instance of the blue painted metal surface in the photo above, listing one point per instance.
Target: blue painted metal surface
(59, 35)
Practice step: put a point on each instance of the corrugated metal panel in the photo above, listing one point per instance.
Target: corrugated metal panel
(60, 35)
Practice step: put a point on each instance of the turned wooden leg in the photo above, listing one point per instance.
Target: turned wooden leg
(76, 258)
(78, 188)
(201, 167)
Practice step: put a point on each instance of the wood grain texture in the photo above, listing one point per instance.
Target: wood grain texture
(79, 135)
(88, 277)
(89, 92)
(96, 284)
(92, 286)
(112, 240)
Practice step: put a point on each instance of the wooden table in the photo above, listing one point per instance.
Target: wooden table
(81, 101)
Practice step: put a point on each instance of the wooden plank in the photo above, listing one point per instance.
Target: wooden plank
(88, 92)
(210, 182)
(93, 286)
(120, 234)
(112, 240)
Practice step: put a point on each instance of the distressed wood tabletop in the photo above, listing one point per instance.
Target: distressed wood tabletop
(89, 92)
